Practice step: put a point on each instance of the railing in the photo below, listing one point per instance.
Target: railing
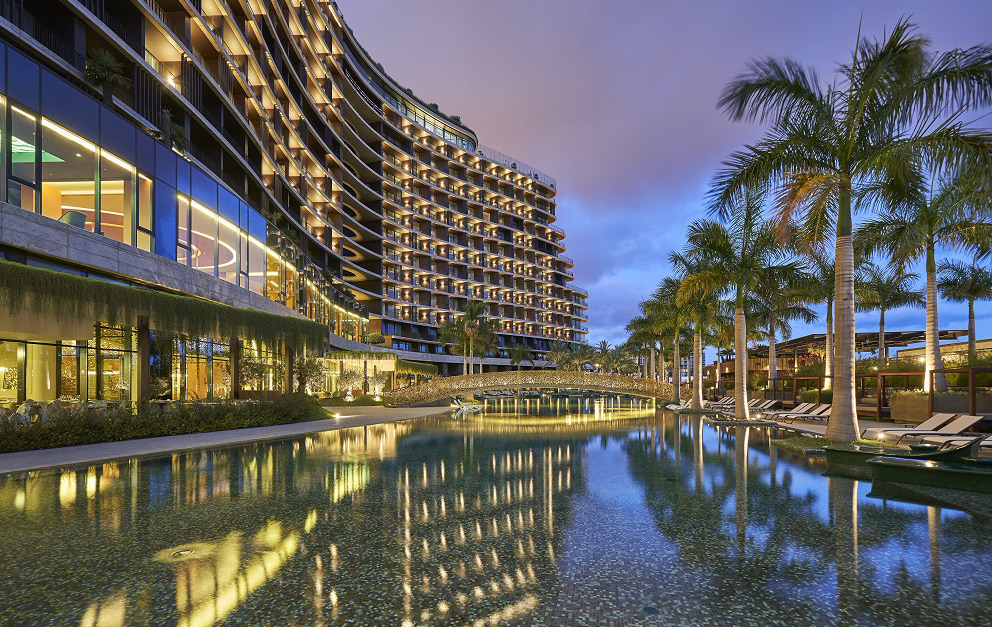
(446, 387)
(507, 161)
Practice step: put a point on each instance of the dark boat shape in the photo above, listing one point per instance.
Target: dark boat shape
(851, 459)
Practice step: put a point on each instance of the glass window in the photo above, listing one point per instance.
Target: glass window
(41, 372)
(203, 239)
(69, 371)
(25, 88)
(68, 175)
(165, 164)
(165, 220)
(182, 222)
(227, 251)
(9, 372)
(68, 107)
(116, 198)
(145, 216)
(23, 144)
(256, 266)
(116, 135)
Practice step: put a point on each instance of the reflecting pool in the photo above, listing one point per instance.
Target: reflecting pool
(623, 517)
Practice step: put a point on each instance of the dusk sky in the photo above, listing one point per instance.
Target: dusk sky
(617, 101)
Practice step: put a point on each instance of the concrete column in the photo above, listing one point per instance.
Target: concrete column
(287, 354)
(235, 352)
(143, 333)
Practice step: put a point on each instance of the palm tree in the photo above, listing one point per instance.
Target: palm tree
(669, 317)
(560, 354)
(738, 256)
(820, 289)
(470, 332)
(884, 288)
(702, 310)
(857, 140)
(451, 334)
(603, 355)
(950, 214)
(518, 354)
(961, 282)
(777, 305)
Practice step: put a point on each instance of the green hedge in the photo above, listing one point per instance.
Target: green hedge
(362, 400)
(809, 396)
(90, 426)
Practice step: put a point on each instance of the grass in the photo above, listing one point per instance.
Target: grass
(89, 426)
(802, 443)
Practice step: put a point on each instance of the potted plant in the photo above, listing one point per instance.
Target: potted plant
(104, 70)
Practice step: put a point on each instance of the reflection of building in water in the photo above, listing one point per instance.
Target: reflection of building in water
(473, 537)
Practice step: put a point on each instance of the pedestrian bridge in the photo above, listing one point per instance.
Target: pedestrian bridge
(446, 387)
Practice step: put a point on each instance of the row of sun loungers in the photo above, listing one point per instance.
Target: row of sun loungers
(940, 429)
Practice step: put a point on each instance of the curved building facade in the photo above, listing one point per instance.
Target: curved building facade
(253, 153)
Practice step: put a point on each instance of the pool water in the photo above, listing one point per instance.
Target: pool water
(623, 517)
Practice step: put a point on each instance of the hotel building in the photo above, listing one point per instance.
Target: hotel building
(249, 153)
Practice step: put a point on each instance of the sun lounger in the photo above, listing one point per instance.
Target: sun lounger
(954, 427)
(948, 441)
(819, 414)
(801, 408)
(934, 422)
(466, 409)
(677, 406)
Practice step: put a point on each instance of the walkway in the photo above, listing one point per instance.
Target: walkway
(92, 453)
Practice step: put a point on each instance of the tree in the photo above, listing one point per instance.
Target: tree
(738, 257)
(820, 289)
(776, 306)
(520, 354)
(950, 214)
(470, 333)
(702, 310)
(350, 379)
(604, 357)
(965, 283)
(859, 139)
(883, 288)
(560, 354)
(308, 372)
(451, 334)
(669, 317)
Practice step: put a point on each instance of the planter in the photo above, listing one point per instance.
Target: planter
(913, 409)
(909, 408)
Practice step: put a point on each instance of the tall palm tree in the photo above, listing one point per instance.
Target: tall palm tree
(884, 288)
(962, 282)
(702, 310)
(519, 354)
(478, 331)
(670, 317)
(560, 354)
(951, 214)
(856, 139)
(451, 334)
(821, 290)
(604, 355)
(737, 257)
(777, 304)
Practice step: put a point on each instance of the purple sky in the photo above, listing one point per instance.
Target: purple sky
(617, 101)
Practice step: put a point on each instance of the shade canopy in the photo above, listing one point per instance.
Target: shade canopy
(863, 342)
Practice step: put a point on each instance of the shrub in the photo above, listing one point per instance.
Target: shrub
(86, 425)
(362, 400)
(809, 396)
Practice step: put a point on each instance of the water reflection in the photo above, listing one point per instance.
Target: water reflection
(585, 518)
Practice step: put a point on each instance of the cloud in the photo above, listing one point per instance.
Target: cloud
(617, 101)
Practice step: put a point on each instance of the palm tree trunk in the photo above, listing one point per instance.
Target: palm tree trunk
(740, 362)
(676, 375)
(772, 357)
(843, 422)
(828, 358)
(883, 354)
(719, 377)
(471, 357)
(972, 345)
(659, 371)
(933, 361)
(697, 369)
(652, 368)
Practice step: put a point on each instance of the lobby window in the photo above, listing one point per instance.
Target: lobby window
(203, 239)
(227, 250)
(182, 236)
(22, 165)
(68, 176)
(116, 192)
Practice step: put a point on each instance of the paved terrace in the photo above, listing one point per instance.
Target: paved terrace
(150, 447)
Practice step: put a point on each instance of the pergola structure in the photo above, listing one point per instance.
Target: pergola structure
(863, 342)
